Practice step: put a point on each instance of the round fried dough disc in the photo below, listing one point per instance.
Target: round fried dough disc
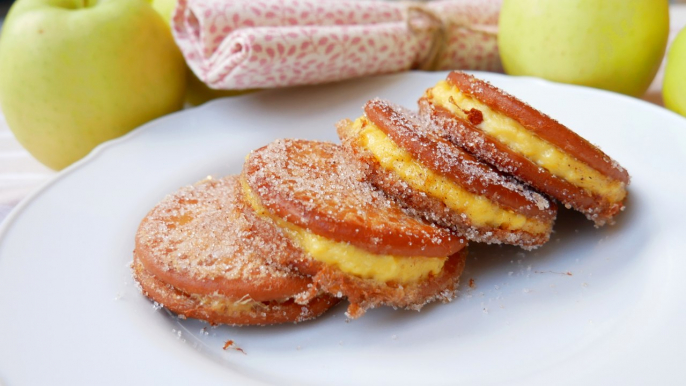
(263, 313)
(204, 239)
(420, 140)
(314, 185)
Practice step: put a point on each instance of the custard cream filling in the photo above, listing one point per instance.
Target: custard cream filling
(224, 305)
(480, 210)
(349, 258)
(512, 134)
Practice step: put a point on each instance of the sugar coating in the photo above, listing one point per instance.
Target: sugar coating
(364, 294)
(407, 123)
(433, 208)
(203, 232)
(509, 105)
(315, 180)
(218, 309)
(314, 183)
(597, 208)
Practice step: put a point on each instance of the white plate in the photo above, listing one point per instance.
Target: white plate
(70, 314)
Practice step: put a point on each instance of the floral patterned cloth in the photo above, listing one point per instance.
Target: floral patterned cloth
(243, 44)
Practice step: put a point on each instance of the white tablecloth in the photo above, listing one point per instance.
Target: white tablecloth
(20, 174)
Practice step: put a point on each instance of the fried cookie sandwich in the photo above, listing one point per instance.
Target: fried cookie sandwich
(203, 253)
(431, 176)
(520, 140)
(358, 243)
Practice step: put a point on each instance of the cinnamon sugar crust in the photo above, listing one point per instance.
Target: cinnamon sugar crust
(490, 150)
(445, 160)
(542, 125)
(203, 239)
(434, 209)
(205, 308)
(297, 180)
(465, 134)
(365, 294)
(424, 142)
(315, 186)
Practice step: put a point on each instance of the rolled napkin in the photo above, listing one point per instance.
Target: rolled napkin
(243, 44)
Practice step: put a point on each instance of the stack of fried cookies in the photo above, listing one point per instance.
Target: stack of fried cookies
(383, 219)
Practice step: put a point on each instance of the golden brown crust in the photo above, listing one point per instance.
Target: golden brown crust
(364, 294)
(538, 123)
(203, 239)
(431, 208)
(438, 154)
(492, 151)
(269, 312)
(314, 185)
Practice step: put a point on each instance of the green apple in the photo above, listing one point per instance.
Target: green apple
(197, 92)
(610, 44)
(75, 73)
(674, 83)
(165, 8)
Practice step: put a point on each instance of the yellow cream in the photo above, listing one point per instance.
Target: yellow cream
(480, 210)
(349, 258)
(513, 135)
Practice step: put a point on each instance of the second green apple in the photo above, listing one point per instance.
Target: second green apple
(615, 45)
(674, 86)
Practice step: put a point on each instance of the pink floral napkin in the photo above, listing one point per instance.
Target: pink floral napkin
(243, 44)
